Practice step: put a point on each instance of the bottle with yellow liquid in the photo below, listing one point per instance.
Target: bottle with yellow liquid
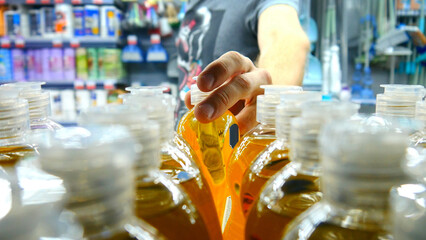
(276, 154)
(95, 164)
(360, 164)
(159, 201)
(296, 186)
(39, 109)
(251, 144)
(179, 161)
(14, 126)
(213, 144)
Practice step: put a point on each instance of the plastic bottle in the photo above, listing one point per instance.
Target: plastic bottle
(178, 159)
(276, 155)
(5, 65)
(56, 64)
(399, 100)
(96, 166)
(14, 121)
(39, 109)
(408, 213)
(213, 143)
(296, 186)
(92, 64)
(64, 20)
(81, 64)
(250, 145)
(108, 21)
(357, 176)
(356, 82)
(44, 67)
(78, 17)
(69, 64)
(159, 201)
(18, 60)
(91, 20)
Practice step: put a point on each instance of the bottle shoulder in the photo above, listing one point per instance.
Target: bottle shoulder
(277, 150)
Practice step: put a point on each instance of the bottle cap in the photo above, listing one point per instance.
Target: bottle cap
(361, 162)
(266, 104)
(38, 100)
(197, 95)
(305, 130)
(145, 132)
(289, 108)
(399, 100)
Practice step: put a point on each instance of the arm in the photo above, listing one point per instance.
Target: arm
(283, 45)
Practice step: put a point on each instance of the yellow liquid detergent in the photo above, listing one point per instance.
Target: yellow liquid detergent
(213, 144)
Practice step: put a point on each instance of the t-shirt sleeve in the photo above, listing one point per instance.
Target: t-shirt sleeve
(257, 7)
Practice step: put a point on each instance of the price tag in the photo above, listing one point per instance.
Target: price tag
(59, 1)
(5, 42)
(57, 43)
(30, 1)
(97, 1)
(74, 43)
(76, 1)
(19, 43)
(2, 2)
(45, 1)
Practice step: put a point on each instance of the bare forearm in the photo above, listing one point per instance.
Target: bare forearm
(283, 45)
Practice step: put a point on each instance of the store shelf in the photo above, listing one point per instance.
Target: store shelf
(50, 2)
(87, 42)
(407, 13)
(73, 84)
(365, 101)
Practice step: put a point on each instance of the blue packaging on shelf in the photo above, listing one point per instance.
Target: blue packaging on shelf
(35, 22)
(5, 65)
(48, 20)
(78, 13)
(91, 20)
(9, 21)
(108, 21)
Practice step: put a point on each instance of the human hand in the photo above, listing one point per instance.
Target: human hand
(236, 83)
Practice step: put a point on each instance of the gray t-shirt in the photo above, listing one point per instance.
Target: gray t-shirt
(213, 27)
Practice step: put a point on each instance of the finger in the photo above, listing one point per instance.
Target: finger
(247, 118)
(188, 100)
(243, 86)
(237, 107)
(226, 67)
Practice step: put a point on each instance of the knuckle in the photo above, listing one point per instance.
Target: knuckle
(242, 82)
(235, 56)
(265, 76)
(223, 98)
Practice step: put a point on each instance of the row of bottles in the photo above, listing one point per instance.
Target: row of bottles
(311, 169)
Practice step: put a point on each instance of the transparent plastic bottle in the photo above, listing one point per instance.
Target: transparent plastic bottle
(296, 186)
(213, 143)
(357, 176)
(250, 145)
(46, 221)
(276, 154)
(96, 166)
(159, 201)
(407, 201)
(179, 161)
(39, 109)
(14, 125)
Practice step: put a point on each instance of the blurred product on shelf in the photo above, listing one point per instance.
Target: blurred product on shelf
(61, 65)
(60, 20)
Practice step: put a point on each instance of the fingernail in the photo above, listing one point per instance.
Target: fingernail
(208, 80)
(207, 110)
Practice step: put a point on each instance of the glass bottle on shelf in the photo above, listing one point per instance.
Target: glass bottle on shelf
(179, 161)
(358, 173)
(248, 148)
(296, 186)
(159, 201)
(276, 154)
(95, 164)
(213, 143)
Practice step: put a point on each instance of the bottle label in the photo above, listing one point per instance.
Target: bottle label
(227, 212)
(234, 135)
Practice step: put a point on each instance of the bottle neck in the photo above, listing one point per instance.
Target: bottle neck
(360, 192)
